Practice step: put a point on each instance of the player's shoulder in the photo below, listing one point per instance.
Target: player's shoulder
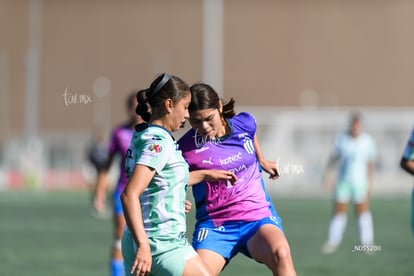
(243, 122)
(366, 136)
(154, 134)
(187, 135)
(244, 115)
(342, 138)
(243, 119)
(187, 141)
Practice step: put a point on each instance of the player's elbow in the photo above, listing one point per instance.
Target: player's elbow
(124, 198)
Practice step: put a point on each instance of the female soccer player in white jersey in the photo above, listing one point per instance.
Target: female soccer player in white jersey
(154, 240)
(231, 218)
(354, 153)
(407, 163)
(120, 139)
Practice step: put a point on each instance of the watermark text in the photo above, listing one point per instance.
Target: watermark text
(371, 248)
(289, 168)
(75, 98)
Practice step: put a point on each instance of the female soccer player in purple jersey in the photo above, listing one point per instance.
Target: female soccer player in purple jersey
(231, 218)
(120, 140)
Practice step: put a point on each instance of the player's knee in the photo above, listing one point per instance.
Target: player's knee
(282, 255)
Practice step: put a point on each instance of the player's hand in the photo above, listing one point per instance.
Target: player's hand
(187, 206)
(143, 261)
(217, 175)
(327, 185)
(327, 181)
(271, 168)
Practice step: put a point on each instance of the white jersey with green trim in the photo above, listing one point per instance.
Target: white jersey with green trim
(162, 202)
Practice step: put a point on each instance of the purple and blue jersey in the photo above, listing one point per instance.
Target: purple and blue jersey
(120, 140)
(220, 202)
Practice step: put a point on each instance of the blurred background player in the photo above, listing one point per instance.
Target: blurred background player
(96, 155)
(407, 163)
(354, 153)
(118, 145)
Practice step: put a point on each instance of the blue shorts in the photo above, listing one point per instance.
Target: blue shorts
(230, 238)
(116, 201)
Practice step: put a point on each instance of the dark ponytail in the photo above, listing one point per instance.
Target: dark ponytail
(151, 100)
(142, 107)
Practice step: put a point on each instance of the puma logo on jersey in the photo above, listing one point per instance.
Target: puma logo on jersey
(207, 161)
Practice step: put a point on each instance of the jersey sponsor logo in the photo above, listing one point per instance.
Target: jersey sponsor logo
(239, 169)
(155, 148)
(231, 159)
(242, 135)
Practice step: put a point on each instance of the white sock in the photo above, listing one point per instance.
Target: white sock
(366, 228)
(337, 229)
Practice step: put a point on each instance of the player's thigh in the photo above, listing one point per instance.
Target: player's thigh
(217, 244)
(215, 261)
(196, 266)
(343, 192)
(268, 240)
(360, 192)
(360, 197)
(174, 262)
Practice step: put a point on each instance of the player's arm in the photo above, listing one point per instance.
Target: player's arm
(371, 167)
(198, 176)
(102, 185)
(407, 165)
(328, 172)
(268, 166)
(130, 198)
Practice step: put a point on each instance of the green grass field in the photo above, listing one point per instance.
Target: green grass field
(55, 234)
